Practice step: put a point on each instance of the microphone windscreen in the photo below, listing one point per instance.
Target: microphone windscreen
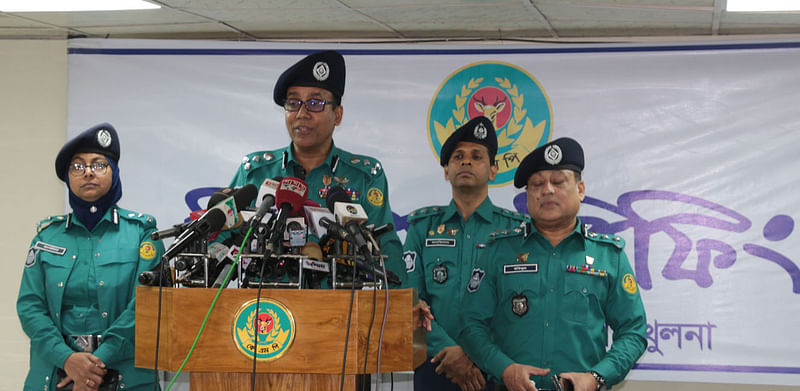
(312, 250)
(293, 191)
(219, 195)
(214, 220)
(335, 194)
(245, 195)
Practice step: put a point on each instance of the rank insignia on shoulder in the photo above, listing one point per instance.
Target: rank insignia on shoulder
(475, 280)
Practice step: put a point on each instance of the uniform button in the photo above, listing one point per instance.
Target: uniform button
(102, 283)
(60, 284)
(97, 254)
(58, 315)
(80, 315)
(547, 324)
(585, 290)
(47, 378)
(121, 385)
(74, 257)
(469, 236)
(554, 254)
(45, 388)
(105, 314)
(552, 290)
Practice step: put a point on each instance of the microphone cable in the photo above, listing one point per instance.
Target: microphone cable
(383, 326)
(347, 330)
(208, 314)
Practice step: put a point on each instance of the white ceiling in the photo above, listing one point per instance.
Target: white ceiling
(405, 20)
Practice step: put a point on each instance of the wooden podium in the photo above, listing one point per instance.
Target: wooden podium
(314, 360)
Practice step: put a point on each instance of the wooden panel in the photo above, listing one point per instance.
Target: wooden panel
(207, 381)
(320, 317)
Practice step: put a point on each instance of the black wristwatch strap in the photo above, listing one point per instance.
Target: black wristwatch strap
(601, 381)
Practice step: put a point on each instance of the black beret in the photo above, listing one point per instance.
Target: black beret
(562, 153)
(100, 139)
(478, 130)
(320, 69)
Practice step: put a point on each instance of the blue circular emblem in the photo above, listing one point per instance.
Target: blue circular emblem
(511, 98)
(273, 328)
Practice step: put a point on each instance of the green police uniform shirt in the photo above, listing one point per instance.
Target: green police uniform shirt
(81, 282)
(440, 252)
(362, 177)
(531, 303)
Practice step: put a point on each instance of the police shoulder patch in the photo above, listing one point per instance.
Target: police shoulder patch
(30, 260)
(507, 233)
(368, 165)
(615, 240)
(147, 250)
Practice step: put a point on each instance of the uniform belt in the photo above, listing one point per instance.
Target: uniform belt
(85, 343)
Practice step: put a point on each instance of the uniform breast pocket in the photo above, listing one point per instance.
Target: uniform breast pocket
(56, 268)
(582, 294)
(520, 294)
(117, 267)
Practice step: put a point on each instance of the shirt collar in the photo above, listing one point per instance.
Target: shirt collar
(485, 210)
(112, 216)
(332, 160)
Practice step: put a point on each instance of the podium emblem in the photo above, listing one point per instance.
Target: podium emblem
(270, 333)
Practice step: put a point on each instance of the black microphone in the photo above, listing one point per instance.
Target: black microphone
(175, 230)
(343, 234)
(212, 221)
(266, 203)
(381, 229)
(153, 277)
(354, 229)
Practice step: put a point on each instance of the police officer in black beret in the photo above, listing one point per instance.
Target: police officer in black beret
(441, 247)
(80, 276)
(311, 93)
(549, 291)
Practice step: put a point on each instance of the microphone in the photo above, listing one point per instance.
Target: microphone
(153, 277)
(212, 221)
(265, 200)
(231, 201)
(175, 230)
(344, 234)
(290, 196)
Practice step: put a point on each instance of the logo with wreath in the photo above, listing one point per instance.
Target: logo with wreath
(269, 333)
(508, 96)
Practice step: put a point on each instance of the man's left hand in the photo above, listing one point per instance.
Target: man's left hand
(454, 363)
(581, 381)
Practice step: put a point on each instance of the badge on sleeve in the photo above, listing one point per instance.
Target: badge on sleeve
(475, 280)
(629, 283)
(31, 259)
(410, 258)
(375, 196)
(147, 250)
(519, 304)
(440, 273)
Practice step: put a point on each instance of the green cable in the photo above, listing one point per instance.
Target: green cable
(203, 325)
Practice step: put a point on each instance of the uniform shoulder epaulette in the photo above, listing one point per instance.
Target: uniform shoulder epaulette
(512, 214)
(427, 211)
(258, 159)
(615, 240)
(520, 231)
(49, 221)
(145, 219)
(369, 165)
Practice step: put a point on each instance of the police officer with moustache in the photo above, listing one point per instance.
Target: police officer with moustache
(440, 251)
(537, 302)
(76, 298)
(310, 92)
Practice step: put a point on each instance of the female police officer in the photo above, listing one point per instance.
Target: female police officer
(76, 299)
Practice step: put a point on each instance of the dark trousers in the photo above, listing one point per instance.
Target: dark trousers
(426, 379)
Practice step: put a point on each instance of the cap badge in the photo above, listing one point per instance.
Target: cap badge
(553, 155)
(104, 138)
(479, 132)
(321, 71)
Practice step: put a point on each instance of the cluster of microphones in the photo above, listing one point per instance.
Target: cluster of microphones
(273, 241)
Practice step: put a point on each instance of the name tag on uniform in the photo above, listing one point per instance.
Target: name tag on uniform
(440, 242)
(526, 268)
(50, 248)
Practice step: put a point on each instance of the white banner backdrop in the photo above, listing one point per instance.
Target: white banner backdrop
(690, 150)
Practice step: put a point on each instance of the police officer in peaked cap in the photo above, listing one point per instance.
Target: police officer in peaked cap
(538, 300)
(311, 93)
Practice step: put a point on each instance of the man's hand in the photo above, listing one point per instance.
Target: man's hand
(581, 381)
(517, 377)
(422, 315)
(85, 370)
(455, 364)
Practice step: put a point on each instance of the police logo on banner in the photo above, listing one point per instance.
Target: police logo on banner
(273, 329)
(508, 95)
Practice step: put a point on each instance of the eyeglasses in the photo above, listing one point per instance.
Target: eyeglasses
(78, 169)
(312, 105)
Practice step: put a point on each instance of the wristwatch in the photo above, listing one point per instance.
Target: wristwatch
(601, 381)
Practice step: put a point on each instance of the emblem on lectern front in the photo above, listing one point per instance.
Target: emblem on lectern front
(270, 332)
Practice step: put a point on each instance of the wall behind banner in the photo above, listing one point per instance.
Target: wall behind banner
(33, 76)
